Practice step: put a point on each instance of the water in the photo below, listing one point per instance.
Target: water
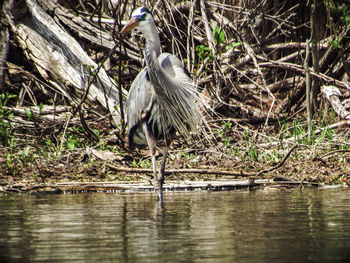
(235, 226)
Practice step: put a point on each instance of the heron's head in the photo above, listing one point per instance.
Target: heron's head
(141, 19)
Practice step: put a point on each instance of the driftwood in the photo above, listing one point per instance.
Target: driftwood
(78, 187)
(47, 116)
(332, 94)
(60, 59)
(181, 171)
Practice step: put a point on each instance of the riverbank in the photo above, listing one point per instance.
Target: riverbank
(61, 113)
(33, 169)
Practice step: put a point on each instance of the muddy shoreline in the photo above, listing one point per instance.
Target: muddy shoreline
(78, 172)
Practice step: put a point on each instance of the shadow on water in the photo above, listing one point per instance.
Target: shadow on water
(236, 226)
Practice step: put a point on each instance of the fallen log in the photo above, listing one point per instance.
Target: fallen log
(332, 94)
(146, 186)
(183, 171)
(60, 59)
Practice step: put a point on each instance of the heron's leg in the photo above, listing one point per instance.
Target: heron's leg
(162, 165)
(165, 155)
(152, 142)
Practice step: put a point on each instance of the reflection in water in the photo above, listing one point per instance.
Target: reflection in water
(241, 226)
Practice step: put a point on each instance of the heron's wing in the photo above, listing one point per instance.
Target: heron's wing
(176, 108)
(177, 95)
(138, 103)
(174, 67)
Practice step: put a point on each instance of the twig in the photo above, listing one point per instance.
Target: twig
(42, 177)
(308, 89)
(64, 131)
(91, 134)
(279, 164)
(211, 43)
(208, 32)
(333, 126)
(299, 69)
(177, 171)
(294, 45)
(252, 55)
(330, 153)
(190, 37)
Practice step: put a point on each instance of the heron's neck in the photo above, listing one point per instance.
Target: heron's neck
(152, 39)
(152, 52)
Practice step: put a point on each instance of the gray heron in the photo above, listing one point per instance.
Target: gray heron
(162, 99)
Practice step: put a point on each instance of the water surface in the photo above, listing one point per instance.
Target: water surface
(233, 226)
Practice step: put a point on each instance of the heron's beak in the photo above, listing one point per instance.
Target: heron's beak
(130, 25)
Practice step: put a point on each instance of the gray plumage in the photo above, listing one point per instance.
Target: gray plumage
(162, 98)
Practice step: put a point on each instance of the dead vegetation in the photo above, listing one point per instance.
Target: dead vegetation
(65, 71)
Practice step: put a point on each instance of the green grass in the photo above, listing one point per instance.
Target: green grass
(6, 124)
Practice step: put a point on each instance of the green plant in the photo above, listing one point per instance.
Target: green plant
(240, 154)
(269, 157)
(9, 161)
(219, 35)
(251, 150)
(114, 149)
(28, 112)
(90, 69)
(297, 130)
(141, 163)
(103, 145)
(203, 52)
(41, 107)
(5, 120)
(26, 155)
(50, 149)
(225, 135)
(219, 38)
(73, 140)
(340, 22)
(253, 153)
(225, 128)
(233, 45)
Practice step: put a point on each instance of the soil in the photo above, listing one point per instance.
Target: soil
(86, 165)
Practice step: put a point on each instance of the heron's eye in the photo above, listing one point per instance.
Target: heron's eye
(143, 16)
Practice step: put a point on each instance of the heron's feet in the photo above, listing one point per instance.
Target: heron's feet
(158, 188)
